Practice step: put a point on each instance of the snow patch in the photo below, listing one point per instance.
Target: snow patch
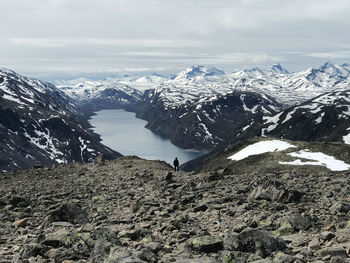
(260, 148)
(318, 158)
(274, 120)
(319, 119)
(346, 138)
(11, 98)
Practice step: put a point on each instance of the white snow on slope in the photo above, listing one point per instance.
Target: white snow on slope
(346, 138)
(11, 98)
(260, 148)
(273, 119)
(318, 158)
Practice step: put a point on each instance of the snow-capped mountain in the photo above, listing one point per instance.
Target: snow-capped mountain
(97, 95)
(278, 69)
(163, 101)
(324, 118)
(198, 71)
(203, 122)
(336, 70)
(41, 125)
(292, 88)
(154, 78)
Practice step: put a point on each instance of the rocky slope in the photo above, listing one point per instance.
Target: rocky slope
(133, 210)
(40, 125)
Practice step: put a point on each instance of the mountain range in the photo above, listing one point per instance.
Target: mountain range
(186, 107)
(199, 108)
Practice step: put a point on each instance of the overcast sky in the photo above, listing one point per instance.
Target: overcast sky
(53, 39)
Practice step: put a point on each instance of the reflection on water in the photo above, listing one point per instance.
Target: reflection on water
(123, 132)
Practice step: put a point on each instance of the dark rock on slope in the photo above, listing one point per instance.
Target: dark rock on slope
(205, 123)
(40, 125)
(125, 211)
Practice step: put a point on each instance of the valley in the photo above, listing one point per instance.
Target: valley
(122, 131)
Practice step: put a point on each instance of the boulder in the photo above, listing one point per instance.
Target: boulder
(206, 244)
(333, 252)
(236, 256)
(123, 255)
(284, 258)
(70, 211)
(256, 241)
(100, 160)
(104, 239)
(340, 207)
(203, 259)
(275, 193)
(59, 238)
(19, 201)
(169, 177)
(31, 250)
(299, 222)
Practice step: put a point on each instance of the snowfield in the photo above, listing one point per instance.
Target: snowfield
(318, 158)
(312, 158)
(260, 148)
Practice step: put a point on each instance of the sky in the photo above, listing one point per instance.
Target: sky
(66, 39)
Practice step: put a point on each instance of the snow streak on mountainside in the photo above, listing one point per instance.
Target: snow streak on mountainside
(41, 125)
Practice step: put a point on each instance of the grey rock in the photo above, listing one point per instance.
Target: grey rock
(338, 260)
(58, 238)
(206, 244)
(340, 207)
(333, 252)
(154, 246)
(70, 211)
(104, 239)
(256, 241)
(123, 255)
(196, 260)
(299, 222)
(32, 250)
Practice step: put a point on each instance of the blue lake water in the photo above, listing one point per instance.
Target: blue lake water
(123, 132)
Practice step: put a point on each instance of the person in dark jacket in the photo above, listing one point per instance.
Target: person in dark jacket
(176, 164)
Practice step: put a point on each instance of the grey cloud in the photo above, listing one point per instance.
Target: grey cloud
(90, 36)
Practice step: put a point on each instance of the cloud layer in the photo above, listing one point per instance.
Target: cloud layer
(72, 37)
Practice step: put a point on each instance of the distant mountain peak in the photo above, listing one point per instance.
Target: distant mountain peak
(334, 69)
(279, 69)
(196, 71)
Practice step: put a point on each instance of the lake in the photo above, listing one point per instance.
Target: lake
(123, 132)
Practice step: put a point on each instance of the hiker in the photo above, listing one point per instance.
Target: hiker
(176, 164)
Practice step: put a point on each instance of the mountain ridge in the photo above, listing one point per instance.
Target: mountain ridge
(41, 125)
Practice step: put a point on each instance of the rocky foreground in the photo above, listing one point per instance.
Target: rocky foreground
(131, 210)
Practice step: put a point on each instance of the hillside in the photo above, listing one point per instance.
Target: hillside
(321, 119)
(133, 210)
(40, 125)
